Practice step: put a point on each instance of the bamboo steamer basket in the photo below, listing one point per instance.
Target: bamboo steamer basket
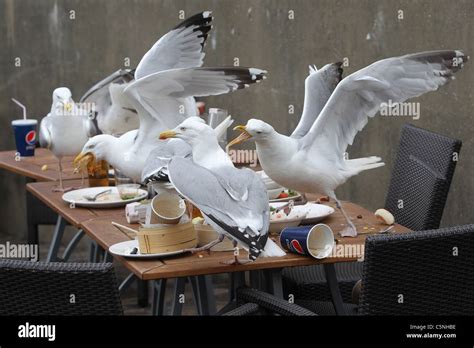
(169, 238)
(206, 234)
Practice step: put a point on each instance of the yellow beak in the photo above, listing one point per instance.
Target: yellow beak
(244, 136)
(68, 107)
(82, 160)
(167, 134)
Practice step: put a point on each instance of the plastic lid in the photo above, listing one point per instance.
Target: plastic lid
(23, 122)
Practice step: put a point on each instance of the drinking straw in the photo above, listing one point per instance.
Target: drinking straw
(21, 106)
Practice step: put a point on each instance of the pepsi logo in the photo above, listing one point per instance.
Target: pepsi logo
(30, 137)
(297, 246)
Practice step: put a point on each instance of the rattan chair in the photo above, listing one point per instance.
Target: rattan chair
(421, 178)
(38, 288)
(428, 272)
(254, 302)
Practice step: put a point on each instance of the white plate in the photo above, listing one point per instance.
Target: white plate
(287, 199)
(110, 200)
(124, 249)
(316, 213)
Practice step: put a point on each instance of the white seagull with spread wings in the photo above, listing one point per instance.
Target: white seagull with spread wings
(167, 79)
(312, 159)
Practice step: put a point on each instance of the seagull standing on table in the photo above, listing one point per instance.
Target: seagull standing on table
(233, 201)
(312, 159)
(166, 81)
(155, 171)
(65, 129)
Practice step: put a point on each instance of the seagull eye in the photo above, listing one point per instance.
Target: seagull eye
(91, 146)
(182, 129)
(259, 132)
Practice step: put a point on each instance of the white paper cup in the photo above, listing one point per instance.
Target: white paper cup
(166, 208)
(320, 241)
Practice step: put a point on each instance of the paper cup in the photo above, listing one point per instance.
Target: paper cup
(25, 136)
(316, 241)
(166, 208)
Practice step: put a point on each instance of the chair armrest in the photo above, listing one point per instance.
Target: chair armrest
(271, 303)
(245, 309)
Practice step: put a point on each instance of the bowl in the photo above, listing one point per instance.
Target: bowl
(128, 191)
(206, 234)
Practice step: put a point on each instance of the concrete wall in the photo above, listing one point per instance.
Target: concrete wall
(57, 50)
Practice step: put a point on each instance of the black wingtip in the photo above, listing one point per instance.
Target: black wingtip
(243, 76)
(339, 70)
(202, 19)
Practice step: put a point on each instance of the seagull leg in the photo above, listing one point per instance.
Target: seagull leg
(235, 260)
(61, 187)
(207, 246)
(350, 230)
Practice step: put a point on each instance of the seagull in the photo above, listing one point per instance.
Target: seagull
(65, 129)
(312, 159)
(155, 171)
(113, 111)
(233, 201)
(166, 82)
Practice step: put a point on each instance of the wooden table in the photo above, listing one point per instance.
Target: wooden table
(30, 167)
(96, 223)
(101, 230)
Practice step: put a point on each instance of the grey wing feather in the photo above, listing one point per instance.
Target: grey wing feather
(209, 192)
(319, 86)
(159, 157)
(179, 48)
(44, 132)
(360, 95)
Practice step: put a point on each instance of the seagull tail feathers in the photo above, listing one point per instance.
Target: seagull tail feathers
(271, 249)
(365, 163)
(221, 128)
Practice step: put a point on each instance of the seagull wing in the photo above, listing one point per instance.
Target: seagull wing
(155, 167)
(161, 94)
(360, 95)
(319, 86)
(179, 48)
(45, 138)
(233, 199)
(100, 90)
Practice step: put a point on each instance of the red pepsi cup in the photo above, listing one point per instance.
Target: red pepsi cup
(316, 241)
(25, 136)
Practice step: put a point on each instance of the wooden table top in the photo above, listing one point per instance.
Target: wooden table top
(97, 225)
(74, 215)
(31, 166)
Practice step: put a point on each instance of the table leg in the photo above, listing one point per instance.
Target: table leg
(195, 288)
(142, 293)
(56, 241)
(256, 280)
(159, 290)
(178, 291)
(206, 295)
(334, 288)
(72, 244)
(237, 280)
(126, 283)
(274, 282)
